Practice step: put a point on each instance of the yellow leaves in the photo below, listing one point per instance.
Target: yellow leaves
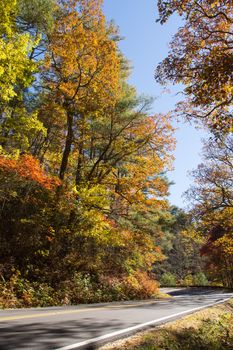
(87, 59)
(228, 88)
(94, 225)
(7, 17)
(215, 4)
(91, 202)
(200, 58)
(225, 243)
(15, 66)
(95, 42)
(203, 43)
(92, 196)
(193, 234)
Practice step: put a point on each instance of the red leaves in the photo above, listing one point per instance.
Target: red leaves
(27, 167)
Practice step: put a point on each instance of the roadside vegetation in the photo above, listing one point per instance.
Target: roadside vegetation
(84, 210)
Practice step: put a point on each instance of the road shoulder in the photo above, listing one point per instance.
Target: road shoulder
(210, 327)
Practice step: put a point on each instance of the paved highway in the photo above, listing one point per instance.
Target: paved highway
(83, 326)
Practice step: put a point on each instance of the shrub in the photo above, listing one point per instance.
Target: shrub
(200, 279)
(187, 281)
(168, 280)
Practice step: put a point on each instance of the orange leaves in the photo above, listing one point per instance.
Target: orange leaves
(201, 59)
(29, 168)
(212, 198)
(81, 71)
(82, 56)
(7, 164)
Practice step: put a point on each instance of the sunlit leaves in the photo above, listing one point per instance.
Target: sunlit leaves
(68, 111)
(212, 200)
(15, 67)
(200, 57)
(29, 168)
(81, 58)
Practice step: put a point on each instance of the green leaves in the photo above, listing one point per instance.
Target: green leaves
(15, 67)
(38, 14)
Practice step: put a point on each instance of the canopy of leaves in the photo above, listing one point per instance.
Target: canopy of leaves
(213, 189)
(200, 57)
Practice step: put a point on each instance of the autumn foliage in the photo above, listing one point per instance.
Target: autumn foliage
(84, 214)
(28, 168)
(82, 162)
(200, 58)
(211, 198)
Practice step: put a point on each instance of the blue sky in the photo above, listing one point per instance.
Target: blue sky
(145, 44)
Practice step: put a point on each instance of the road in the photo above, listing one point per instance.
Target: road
(81, 327)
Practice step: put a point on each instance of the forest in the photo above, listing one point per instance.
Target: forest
(84, 209)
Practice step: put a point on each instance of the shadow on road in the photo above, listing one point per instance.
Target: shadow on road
(198, 291)
(52, 336)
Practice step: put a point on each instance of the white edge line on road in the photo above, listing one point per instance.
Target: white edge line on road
(142, 325)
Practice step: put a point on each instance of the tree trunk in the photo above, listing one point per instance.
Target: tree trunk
(79, 164)
(68, 144)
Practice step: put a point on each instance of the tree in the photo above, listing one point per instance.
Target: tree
(82, 165)
(214, 178)
(26, 197)
(15, 67)
(218, 247)
(18, 121)
(180, 247)
(81, 70)
(212, 206)
(36, 16)
(200, 57)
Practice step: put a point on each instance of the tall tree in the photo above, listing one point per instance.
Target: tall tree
(21, 35)
(201, 58)
(82, 70)
(213, 189)
(212, 199)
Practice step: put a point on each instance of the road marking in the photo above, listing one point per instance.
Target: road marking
(134, 328)
(55, 313)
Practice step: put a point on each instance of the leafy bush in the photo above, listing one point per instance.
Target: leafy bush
(168, 280)
(82, 288)
(200, 279)
(187, 281)
(19, 292)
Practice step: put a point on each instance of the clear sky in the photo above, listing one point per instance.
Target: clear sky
(145, 44)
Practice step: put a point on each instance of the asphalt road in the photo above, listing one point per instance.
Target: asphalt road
(83, 326)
